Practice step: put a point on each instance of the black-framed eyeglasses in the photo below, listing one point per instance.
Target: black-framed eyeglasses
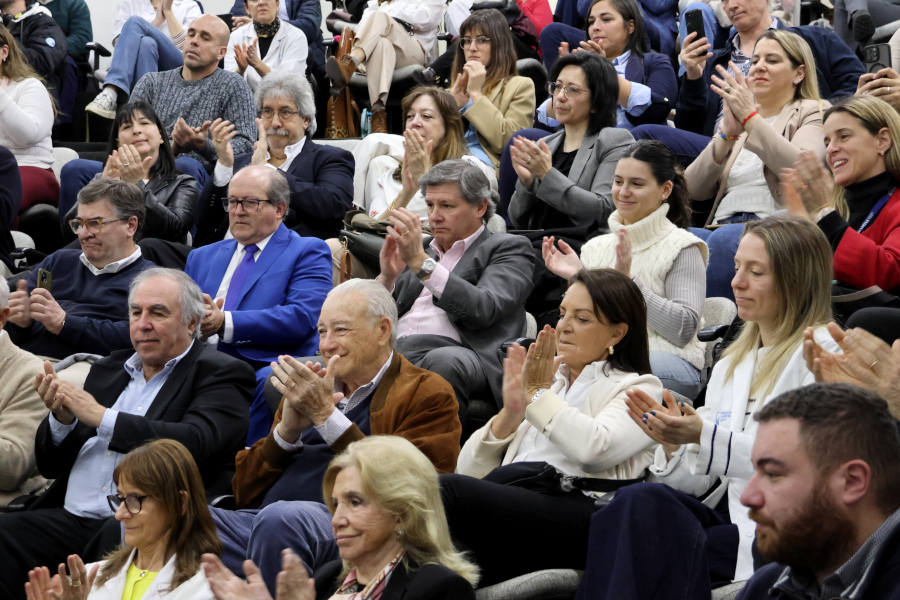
(481, 40)
(250, 205)
(283, 113)
(92, 225)
(568, 90)
(133, 503)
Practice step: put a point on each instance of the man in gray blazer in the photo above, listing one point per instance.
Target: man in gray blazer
(461, 293)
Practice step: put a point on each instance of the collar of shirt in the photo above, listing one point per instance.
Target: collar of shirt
(736, 42)
(113, 267)
(591, 372)
(362, 391)
(260, 244)
(622, 59)
(465, 243)
(135, 367)
(290, 153)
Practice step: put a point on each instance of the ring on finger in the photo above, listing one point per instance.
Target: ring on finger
(404, 233)
(872, 366)
(727, 89)
(76, 583)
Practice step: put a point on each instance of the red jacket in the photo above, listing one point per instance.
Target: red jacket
(873, 256)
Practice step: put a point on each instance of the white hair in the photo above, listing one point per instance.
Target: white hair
(190, 298)
(4, 295)
(378, 300)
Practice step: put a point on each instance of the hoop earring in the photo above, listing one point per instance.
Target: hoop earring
(612, 350)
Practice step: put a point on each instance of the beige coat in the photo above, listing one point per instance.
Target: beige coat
(797, 128)
(497, 116)
(21, 411)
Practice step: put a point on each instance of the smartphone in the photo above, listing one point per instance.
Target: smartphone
(878, 57)
(693, 19)
(44, 279)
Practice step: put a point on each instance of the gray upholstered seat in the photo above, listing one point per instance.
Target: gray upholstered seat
(552, 584)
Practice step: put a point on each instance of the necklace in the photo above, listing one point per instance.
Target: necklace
(143, 574)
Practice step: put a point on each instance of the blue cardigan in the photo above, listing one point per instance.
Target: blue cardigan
(837, 67)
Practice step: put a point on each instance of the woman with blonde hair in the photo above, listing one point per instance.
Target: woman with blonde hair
(706, 453)
(768, 119)
(161, 503)
(390, 529)
(26, 121)
(859, 212)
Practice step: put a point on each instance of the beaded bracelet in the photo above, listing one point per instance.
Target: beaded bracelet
(730, 138)
(750, 116)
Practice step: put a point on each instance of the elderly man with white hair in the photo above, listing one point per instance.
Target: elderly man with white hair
(21, 411)
(366, 388)
(169, 385)
(320, 177)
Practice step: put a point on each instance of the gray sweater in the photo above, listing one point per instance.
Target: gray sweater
(221, 95)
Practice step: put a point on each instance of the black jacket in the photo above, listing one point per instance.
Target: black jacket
(10, 199)
(431, 582)
(321, 182)
(204, 404)
(171, 205)
(43, 43)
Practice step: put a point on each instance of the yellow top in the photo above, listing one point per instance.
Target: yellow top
(137, 582)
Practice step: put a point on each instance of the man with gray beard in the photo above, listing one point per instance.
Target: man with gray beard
(320, 177)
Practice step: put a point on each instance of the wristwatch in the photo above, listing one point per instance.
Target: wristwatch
(428, 266)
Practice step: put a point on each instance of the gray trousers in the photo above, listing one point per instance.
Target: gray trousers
(882, 12)
(459, 365)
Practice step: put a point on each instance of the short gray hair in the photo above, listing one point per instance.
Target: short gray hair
(288, 85)
(190, 298)
(473, 184)
(379, 301)
(126, 199)
(4, 295)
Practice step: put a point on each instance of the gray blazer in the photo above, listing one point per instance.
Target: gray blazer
(484, 298)
(585, 195)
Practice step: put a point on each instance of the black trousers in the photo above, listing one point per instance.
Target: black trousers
(513, 531)
(883, 322)
(39, 538)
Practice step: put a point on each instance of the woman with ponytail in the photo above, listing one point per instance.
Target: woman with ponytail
(649, 242)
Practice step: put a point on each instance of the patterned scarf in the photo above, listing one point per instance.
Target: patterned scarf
(349, 590)
(267, 30)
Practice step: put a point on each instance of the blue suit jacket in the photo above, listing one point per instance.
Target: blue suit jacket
(278, 309)
(656, 72)
(837, 67)
(321, 182)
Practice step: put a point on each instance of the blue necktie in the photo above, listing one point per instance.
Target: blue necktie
(239, 277)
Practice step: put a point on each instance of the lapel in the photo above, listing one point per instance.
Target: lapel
(380, 397)
(277, 41)
(266, 259)
(397, 585)
(305, 153)
(468, 257)
(157, 183)
(634, 68)
(219, 263)
(113, 378)
(741, 380)
(175, 382)
(780, 124)
(585, 151)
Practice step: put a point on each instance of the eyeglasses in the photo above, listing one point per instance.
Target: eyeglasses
(283, 113)
(481, 40)
(569, 91)
(133, 504)
(250, 205)
(92, 225)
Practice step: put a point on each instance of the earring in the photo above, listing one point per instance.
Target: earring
(881, 153)
(612, 350)
(665, 199)
(399, 534)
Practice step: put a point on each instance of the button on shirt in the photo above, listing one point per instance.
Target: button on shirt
(236, 258)
(333, 428)
(113, 267)
(222, 174)
(424, 317)
(91, 479)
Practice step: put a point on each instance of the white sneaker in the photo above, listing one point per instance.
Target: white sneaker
(103, 106)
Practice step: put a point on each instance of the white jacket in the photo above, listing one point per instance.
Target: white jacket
(724, 449)
(195, 588)
(26, 120)
(424, 16)
(288, 51)
(600, 439)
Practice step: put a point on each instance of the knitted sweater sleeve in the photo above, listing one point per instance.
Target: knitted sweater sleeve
(676, 317)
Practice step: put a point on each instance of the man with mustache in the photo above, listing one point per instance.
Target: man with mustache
(264, 289)
(320, 177)
(825, 494)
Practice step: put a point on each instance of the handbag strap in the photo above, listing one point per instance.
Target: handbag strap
(592, 484)
(346, 265)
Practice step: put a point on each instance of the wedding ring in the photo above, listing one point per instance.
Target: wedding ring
(76, 583)
(125, 164)
(889, 89)
(404, 233)
(872, 366)
(528, 161)
(728, 90)
(413, 151)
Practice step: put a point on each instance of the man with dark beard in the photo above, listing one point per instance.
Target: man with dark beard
(825, 495)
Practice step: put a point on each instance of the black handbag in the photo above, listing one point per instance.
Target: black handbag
(364, 245)
(846, 300)
(544, 478)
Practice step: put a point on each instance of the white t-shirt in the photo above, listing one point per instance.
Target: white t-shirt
(185, 11)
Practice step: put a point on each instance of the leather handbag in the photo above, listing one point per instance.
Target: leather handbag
(342, 113)
(362, 237)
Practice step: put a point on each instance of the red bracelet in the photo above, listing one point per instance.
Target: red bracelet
(750, 116)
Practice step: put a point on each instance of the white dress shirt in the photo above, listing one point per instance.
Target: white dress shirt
(222, 174)
(113, 267)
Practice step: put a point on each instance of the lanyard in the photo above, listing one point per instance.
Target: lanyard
(876, 209)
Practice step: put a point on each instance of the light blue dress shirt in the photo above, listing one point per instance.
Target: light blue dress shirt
(472, 140)
(638, 100)
(91, 479)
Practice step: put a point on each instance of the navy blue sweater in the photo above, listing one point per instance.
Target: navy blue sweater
(96, 308)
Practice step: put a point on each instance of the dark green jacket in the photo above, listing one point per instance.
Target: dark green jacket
(74, 17)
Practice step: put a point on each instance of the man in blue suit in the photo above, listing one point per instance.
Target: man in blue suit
(263, 289)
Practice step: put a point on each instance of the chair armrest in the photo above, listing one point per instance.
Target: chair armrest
(713, 332)
(99, 50)
(525, 342)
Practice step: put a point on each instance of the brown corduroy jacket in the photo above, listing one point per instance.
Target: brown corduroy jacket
(410, 402)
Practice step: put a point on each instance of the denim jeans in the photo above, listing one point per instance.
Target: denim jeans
(686, 145)
(722, 244)
(675, 373)
(141, 49)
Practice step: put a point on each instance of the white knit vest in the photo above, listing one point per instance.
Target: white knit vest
(655, 243)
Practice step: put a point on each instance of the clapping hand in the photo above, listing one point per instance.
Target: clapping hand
(807, 188)
(241, 57)
(188, 137)
(541, 362)
(671, 426)
(67, 401)
(261, 146)
(562, 262)
(213, 316)
(308, 392)
(623, 254)
(735, 92)
(133, 168)
(237, 22)
(514, 400)
(62, 587)
(459, 91)
(222, 133)
(530, 160)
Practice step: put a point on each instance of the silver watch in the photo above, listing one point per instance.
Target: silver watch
(428, 266)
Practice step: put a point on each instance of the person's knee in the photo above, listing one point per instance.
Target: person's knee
(134, 22)
(280, 517)
(446, 362)
(148, 46)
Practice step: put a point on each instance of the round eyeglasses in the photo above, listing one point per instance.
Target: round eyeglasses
(133, 503)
